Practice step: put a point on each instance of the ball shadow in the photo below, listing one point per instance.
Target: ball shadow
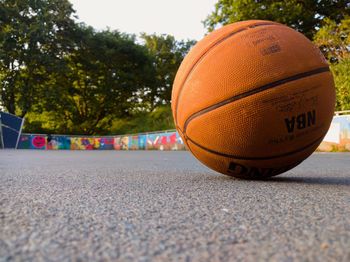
(338, 181)
(312, 180)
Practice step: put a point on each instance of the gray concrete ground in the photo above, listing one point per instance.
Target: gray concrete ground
(166, 206)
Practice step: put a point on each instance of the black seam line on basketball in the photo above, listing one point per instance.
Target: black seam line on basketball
(255, 158)
(206, 52)
(254, 91)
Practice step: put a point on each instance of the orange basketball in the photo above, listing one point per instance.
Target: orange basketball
(253, 99)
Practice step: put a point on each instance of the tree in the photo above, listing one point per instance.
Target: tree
(106, 71)
(34, 36)
(167, 54)
(305, 16)
(333, 39)
(159, 119)
(341, 75)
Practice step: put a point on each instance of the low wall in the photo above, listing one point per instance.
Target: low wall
(338, 136)
(169, 140)
(337, 139)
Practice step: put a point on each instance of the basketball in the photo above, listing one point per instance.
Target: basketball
(253, 99)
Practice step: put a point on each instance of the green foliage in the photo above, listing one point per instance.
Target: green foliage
(34, 35)
(68, 78)
(342, 82)
(334, 39)
(167, 54)
(105, 72)
(305, 16)
(160, 119)
(43, 123)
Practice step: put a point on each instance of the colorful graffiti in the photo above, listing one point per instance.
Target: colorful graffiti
(82, 143)
(142, 140)
(58, 143)
(121, 143)
(164, 141)
(28, 141)
(337, 139)
(152, 141)
(104, 143)
(338, 136)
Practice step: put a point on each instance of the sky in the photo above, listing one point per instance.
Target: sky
(180, 18)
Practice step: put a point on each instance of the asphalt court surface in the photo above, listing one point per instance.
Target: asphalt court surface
(166, 206)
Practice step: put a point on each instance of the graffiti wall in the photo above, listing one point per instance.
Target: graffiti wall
(104, 143)
(58, 143)
(164, 141)
(152, 141)
(121, 143)
(337, 139)
(338, 136)
(27, 141)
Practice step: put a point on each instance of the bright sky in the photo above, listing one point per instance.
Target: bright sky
(180, 18)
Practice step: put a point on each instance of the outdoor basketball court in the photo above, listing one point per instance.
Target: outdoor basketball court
(166, 206)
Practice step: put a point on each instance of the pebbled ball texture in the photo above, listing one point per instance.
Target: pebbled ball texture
(253, 99)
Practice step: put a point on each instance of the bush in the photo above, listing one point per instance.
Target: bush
(342, 83)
